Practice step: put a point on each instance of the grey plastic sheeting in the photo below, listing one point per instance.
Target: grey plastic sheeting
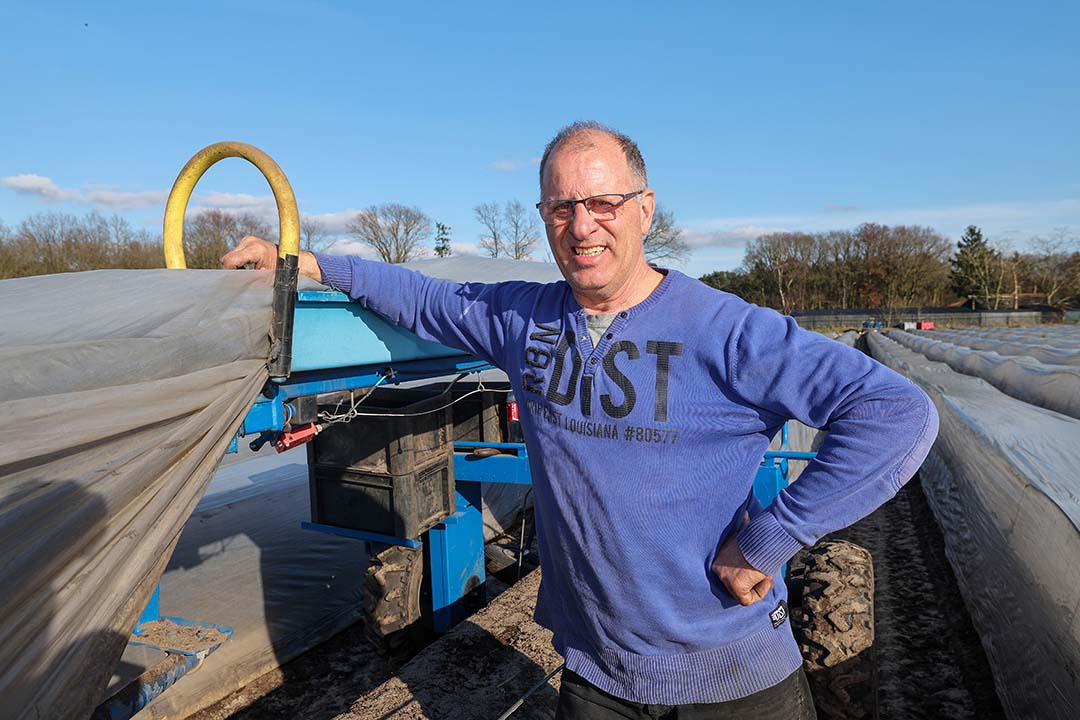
(1056, 335)
(122, 390)
(1057, 346)
(1002, 482)
(1055, 387)
(848, 338)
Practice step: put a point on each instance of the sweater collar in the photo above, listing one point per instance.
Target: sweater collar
(654, 297)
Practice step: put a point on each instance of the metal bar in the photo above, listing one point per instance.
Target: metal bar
(317, 382)
(789, 455)
(281, 328)
(361, 535)
(497, 445)
(268, 412)
(507, 469)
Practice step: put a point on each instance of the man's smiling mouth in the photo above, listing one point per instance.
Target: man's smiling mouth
(588, 252)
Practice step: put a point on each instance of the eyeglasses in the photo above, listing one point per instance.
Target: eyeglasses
(601, 207)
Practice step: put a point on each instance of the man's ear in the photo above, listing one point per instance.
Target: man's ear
(648, 209)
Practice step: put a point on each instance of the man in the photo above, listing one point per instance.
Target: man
(650, 401)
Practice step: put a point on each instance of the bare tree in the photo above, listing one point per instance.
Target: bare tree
(493, 240)
(847, 264)
(58, 242)
(46, 241)
(1050, 264)
(396, 232)
(665, 241)
(313, 233)
(211, 233)
(782, 258)
(510, 230)
(523, 230)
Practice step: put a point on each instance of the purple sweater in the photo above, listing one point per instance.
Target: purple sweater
(643, 455)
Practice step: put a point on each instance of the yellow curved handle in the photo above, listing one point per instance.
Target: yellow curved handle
(288, 215)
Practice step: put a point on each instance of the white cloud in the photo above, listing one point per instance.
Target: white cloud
(458, 247)
(240, 202)
(734, 237)
(40, 186)
(351, 247)
(118, 200)
(334, 222)
(100, 198)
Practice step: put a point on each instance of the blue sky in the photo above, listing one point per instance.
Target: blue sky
(752, 116)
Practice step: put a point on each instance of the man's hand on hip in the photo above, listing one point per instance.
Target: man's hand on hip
(264, 256)
(743, 581)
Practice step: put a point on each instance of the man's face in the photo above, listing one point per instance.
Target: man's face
(602, 259)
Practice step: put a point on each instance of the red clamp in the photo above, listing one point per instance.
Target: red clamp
(299, 435)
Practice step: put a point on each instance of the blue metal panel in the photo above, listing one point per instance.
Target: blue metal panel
(330, 331)
(456, 548)
(505, 468)
(151, 612)
(360, 534)
(267, 413)
(789, 455)
(768, 483)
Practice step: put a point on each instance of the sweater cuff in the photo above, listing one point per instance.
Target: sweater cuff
(336, 271)
(766, 545)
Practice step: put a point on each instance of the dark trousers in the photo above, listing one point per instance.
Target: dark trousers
(787, 700)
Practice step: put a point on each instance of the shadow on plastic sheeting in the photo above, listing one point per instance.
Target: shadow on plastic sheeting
(72, 680)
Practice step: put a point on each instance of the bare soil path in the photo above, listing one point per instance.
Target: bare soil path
(930, 662)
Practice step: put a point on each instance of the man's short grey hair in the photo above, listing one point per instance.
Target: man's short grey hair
(579, 131)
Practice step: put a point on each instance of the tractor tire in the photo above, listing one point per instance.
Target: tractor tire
(393, 603)
(831, 591)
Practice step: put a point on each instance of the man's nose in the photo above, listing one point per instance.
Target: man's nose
(582, 225)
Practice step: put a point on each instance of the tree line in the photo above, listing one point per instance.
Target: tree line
(56, 242)
(874, 265)
(893, 267)
(53, 242)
